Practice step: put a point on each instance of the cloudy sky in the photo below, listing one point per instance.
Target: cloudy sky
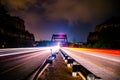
(76, 18)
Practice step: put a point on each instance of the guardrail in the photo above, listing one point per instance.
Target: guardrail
(38, 72)
(77, 68)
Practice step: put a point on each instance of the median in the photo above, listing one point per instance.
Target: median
(58, 70)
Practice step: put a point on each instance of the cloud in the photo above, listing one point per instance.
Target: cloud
(52, 16)
(80, 9)
(18, 4)
(86, 10)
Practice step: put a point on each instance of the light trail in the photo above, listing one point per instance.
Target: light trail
(26, 58)
(13, 51)
(102, 64)
(101, 51)
(17, 65)
(100, 54)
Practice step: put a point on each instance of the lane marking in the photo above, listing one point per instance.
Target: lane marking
(102, 66)
(12, 68)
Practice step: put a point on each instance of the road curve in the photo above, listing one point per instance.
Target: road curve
(17, 64)
(104, 65)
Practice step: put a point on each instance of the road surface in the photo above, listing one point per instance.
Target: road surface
(103, 63)
(18, 63)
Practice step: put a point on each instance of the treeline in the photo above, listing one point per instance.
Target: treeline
(105, 35)
(43, 43)
(12, 31)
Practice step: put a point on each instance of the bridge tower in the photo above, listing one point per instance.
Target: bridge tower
(62, 38)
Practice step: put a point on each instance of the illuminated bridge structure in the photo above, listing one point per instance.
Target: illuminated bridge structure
(60, 38)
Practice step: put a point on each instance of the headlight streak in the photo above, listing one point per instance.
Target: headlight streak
(27, 60)
(21, 50)
(109, 69)
(98, 54)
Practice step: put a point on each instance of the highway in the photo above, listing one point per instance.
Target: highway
(103, 63)
(18, 63)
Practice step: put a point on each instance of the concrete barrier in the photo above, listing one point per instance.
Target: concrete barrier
(49, 60)
(70, 62)
(90, 77)
(77, 68)
(54, 55)
(87, 75)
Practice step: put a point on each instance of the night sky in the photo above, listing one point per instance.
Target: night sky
(76, 18)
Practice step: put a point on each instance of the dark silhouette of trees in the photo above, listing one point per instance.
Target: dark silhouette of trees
(12, 31)
(106, 35)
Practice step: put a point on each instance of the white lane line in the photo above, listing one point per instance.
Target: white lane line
(26, 50)
(108, 57)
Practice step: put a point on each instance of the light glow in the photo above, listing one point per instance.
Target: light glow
(98, 61)
(74, 74)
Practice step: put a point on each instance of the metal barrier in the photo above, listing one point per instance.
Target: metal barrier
(77, 68)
